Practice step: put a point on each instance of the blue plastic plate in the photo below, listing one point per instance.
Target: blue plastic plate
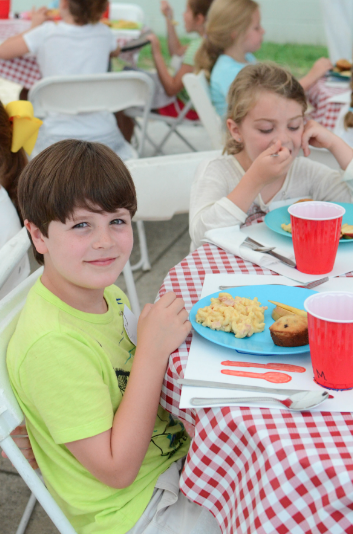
(275, 218)
(262, 343)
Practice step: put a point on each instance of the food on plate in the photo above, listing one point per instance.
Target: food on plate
(291, 309)
(242, 316)
(343, 65)
(304, 200)
(290, 331)
(347, 231)
(287, 227)
(124, 25)
(279, 312)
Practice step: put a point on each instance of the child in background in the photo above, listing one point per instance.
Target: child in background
(260, 170)
(233, 33)
(79, 44)
(172, 85)
(109, 453)
(344, 123)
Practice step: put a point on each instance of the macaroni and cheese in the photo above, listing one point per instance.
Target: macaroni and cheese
(240, 315)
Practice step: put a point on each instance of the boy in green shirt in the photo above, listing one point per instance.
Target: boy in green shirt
(107, 451)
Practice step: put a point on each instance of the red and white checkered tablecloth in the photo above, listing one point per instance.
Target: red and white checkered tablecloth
(259, 470)
(324, 112)
(25, 70)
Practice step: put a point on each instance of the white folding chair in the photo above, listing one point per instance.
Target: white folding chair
(199, 93)
(163, 186)
(172, 123)
(121, 11)
(14, 264)
(10, 412)
(86, 93)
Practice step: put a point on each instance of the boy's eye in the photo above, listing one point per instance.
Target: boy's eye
(293, 128)
(80, 225)
(117, 221)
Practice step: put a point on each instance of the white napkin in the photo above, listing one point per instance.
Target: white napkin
(231, 240)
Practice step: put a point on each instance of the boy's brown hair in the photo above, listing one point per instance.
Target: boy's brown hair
(247, 86)
(87, 11)
(11, 163)
(73, 174)
(200, 7)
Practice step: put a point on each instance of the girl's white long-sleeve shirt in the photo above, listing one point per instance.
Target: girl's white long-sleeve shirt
(214, 180)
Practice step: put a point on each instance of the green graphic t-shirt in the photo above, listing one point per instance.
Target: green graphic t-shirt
(69, 371)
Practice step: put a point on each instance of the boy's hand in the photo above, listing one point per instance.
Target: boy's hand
(20, 437)
(166, 10)
(316, 135)
(163, 326)
(39, 16)
(271, 164)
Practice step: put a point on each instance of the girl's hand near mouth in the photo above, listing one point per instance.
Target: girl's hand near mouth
(317, 136)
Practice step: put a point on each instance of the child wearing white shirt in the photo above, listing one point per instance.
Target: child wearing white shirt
(79, 44)
(261, 170)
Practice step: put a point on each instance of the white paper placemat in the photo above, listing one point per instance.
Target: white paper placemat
(265, 236)
(205, 357)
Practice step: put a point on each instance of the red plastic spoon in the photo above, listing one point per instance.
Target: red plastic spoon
(275, 366)
(276, 378)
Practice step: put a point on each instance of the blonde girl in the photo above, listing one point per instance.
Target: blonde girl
(260, 169)
(233, 33)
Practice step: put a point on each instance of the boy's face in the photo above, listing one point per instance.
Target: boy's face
(88, 251)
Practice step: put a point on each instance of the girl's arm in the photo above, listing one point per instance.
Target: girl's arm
(114, 457)
(172, 84)
(318, 136)
(174, 45)
(320, 67)
(13, 47)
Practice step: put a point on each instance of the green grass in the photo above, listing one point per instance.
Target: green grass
(298, 58)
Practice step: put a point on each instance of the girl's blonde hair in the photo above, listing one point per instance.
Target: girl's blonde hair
(348, 119)
(245, 89)
(225, 18)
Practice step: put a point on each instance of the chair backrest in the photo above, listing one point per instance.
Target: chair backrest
(85, 93)
(10, 308)
(11, 253)
(14, 266)
(163, 184)
(199, 93)
(121, 11)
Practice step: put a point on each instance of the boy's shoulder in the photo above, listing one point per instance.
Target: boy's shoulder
(46, 317)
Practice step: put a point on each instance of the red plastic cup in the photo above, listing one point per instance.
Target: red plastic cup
(330, 321)
(316, 230)
(4, 9)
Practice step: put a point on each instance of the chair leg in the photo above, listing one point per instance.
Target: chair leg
(131, 289)
(144, 261)
(27, 514)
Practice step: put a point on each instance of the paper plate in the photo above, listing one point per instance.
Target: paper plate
(261, 343)
(275, 218)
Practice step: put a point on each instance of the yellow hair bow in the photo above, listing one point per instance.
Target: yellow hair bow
(24, 125)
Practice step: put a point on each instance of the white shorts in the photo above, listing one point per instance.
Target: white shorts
(170, 512)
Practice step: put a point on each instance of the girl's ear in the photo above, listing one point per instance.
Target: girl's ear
(234, 130)
(200, 20)
(37, 237)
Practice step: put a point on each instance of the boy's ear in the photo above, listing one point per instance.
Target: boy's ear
(234, 130)
(200, 20)
(37, 237)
